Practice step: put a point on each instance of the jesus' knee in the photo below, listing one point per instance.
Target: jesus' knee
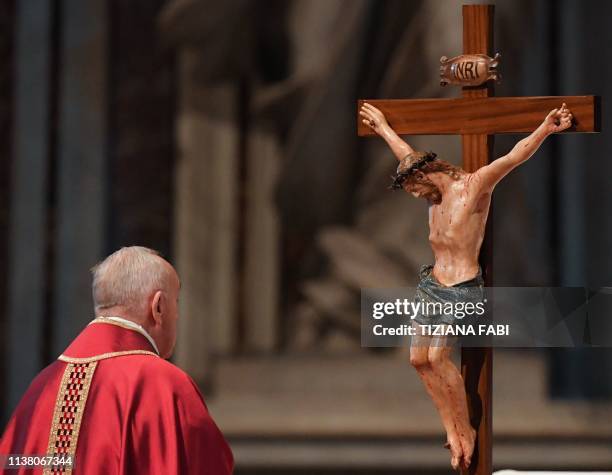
(419, 358)
(438, 358)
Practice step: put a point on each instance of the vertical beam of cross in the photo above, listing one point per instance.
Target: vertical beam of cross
(477, 363)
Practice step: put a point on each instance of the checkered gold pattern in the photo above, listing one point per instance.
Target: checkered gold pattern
(68, 412)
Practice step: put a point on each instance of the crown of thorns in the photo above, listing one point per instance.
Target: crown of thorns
(408, 165)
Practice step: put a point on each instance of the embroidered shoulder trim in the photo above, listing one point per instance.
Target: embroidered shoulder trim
(68, 413)
(103, 356)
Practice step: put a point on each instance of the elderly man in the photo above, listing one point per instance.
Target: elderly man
(111, 400)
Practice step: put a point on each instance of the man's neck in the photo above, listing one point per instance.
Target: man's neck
(111, 314)
(126, 313)
(122, 312)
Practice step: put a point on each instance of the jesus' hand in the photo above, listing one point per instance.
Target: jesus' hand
(373, 118)
(558, 120)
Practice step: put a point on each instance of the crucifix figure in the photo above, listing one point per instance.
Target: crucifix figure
(459, 203)
(458, 209)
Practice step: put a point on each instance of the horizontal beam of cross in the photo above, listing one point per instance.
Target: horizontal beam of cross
(486, 115)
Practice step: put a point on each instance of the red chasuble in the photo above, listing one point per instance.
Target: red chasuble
(120, 409)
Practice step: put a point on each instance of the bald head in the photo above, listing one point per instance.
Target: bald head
(128, 277)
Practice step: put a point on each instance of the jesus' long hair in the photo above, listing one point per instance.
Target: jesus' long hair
(436, 166)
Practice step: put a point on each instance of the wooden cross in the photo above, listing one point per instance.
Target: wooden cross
(477, 116)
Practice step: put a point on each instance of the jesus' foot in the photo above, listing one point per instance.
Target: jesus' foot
(467, 446)
(454, 445)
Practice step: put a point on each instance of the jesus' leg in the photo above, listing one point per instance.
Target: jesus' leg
(419, 358)
(431, 358)
(449, 377)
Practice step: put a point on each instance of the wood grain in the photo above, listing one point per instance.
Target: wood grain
(477, 363)
(481, 115)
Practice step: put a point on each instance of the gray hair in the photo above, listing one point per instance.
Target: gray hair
(128, 277)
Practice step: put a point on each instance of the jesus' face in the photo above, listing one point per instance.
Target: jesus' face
(419, 186)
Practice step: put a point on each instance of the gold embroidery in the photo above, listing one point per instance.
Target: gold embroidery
(103, 356)
(68, 413)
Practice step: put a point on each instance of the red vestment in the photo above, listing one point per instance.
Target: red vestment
(122, 410)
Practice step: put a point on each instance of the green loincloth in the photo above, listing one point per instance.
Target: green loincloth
(437, 299)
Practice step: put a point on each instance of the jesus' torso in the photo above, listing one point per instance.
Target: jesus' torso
(456, 229)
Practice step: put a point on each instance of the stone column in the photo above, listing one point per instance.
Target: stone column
(261, 272)
(28, 214)
(205, 217)
(7, 118)
(81, 172)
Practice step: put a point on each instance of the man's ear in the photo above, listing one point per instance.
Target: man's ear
(157, 306)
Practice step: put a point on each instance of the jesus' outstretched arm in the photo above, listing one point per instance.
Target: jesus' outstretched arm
(556, 121)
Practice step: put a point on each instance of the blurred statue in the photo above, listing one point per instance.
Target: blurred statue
(458, 209)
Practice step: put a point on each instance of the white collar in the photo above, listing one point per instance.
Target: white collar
(131, 325)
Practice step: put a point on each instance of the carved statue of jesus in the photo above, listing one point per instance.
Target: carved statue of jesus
(458, 209)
